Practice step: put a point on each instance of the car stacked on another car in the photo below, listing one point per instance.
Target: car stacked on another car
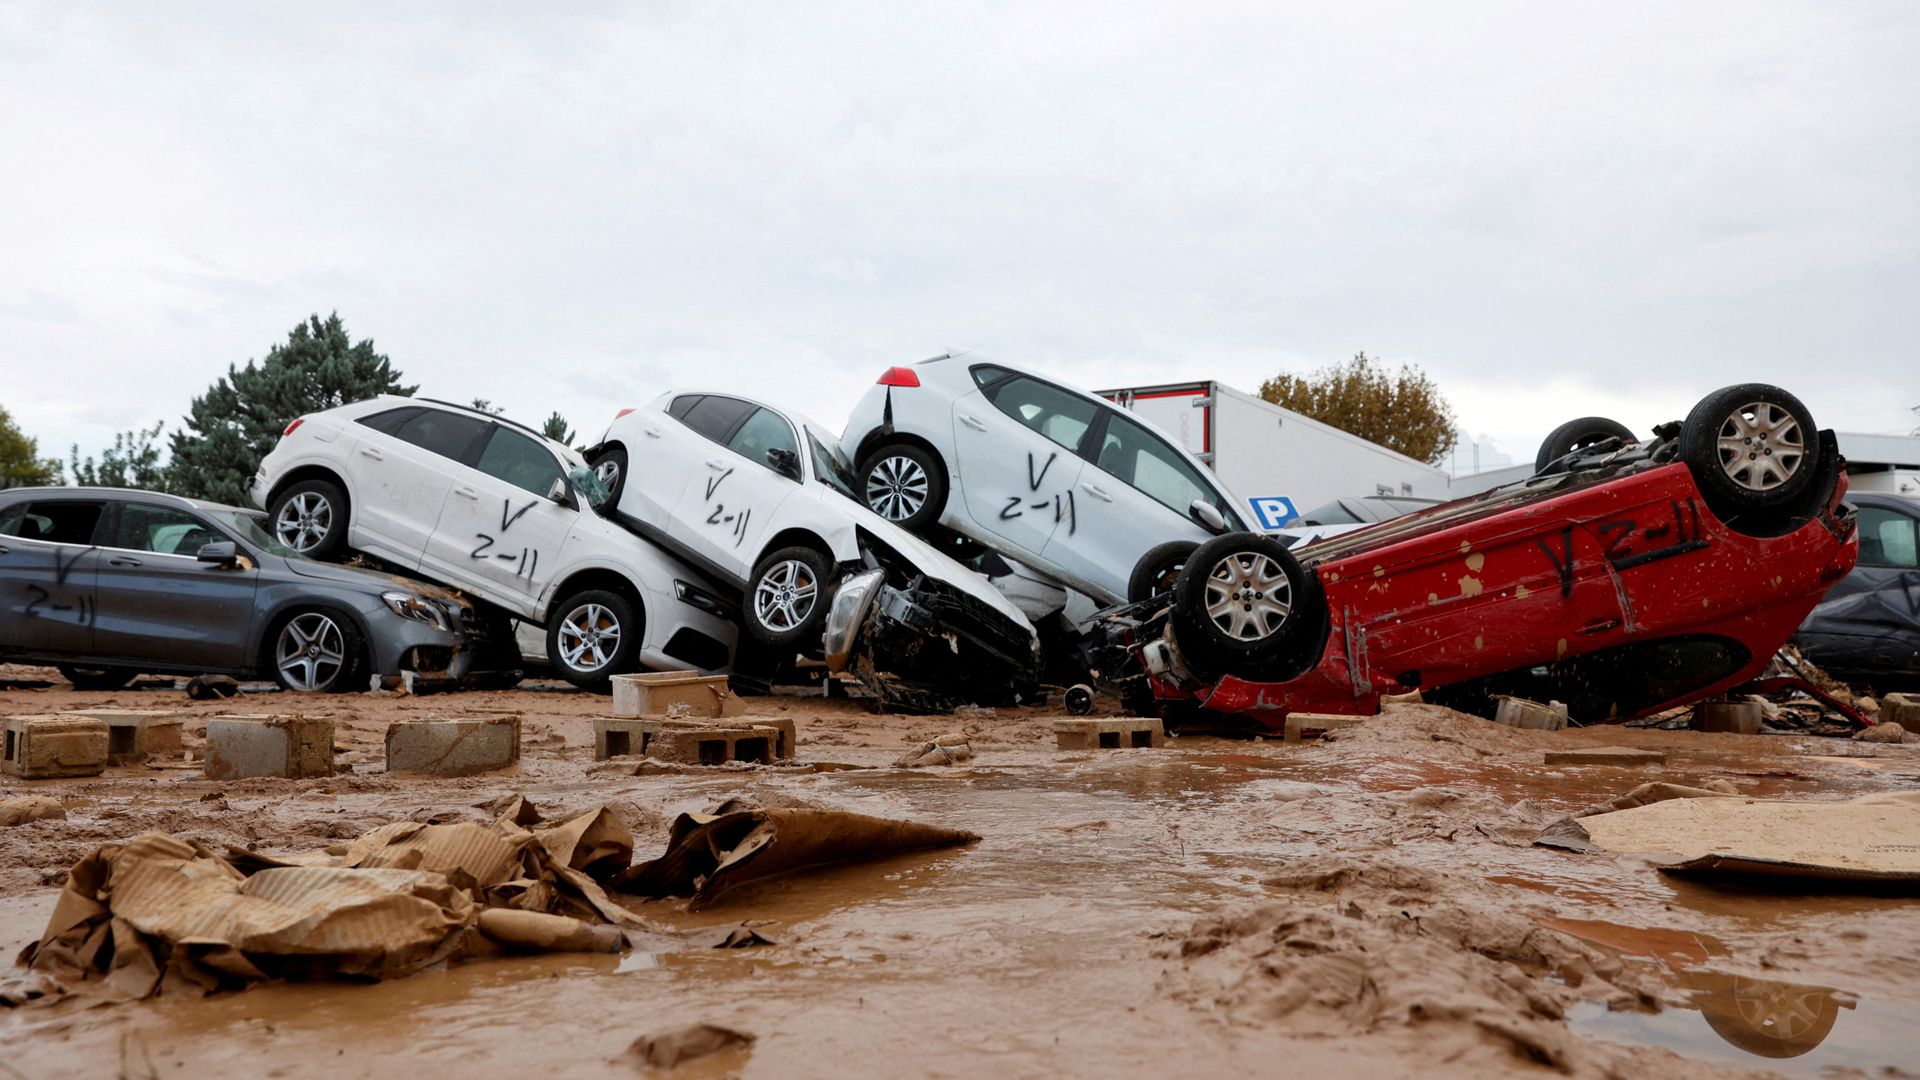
(106, 583)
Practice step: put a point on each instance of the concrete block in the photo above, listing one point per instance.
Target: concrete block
(44, 747)
(1521, 713)
(1739, 717)
(134, 735)
(457, 747)
(294, 747)
(1902, 709)
(1109, 733)
(622, 736)
(1299, 723)
(657, 693)
(712, 744)
(1606, 755)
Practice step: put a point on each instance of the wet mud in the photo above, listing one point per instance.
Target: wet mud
(1372, 904)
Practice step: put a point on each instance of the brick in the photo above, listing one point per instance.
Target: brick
(1521, 713)
(1739, 717)
(1902, 709)
(457, 747)
(293, 747)
(1606, 755)
(1299, 723)
(622, 736)
(1109, 733)
(134, 735)
(44, 747)
(656, 693)
(712, 744)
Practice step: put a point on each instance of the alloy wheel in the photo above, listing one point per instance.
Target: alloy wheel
(311, 651)
(1761, 446)
(897, 487)
(608, 472)
(1248, 596)
(303, 521)
(785, 595)
(589, 637)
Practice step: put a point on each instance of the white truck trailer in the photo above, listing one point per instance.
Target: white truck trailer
(1279, 462)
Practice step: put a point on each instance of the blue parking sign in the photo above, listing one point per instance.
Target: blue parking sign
(1273, 512)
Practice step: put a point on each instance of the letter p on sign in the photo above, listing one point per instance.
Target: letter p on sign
(1273, 512)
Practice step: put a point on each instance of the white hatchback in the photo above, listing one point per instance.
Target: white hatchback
(1043, 473)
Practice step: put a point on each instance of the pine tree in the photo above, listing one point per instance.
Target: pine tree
(20, 462)
(230, 429)
(133, 461)
(557, 429)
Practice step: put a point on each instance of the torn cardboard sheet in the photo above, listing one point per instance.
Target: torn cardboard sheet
(1871, 839)
(707, 856)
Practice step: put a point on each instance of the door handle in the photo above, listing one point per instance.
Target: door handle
(368, 451)
(975, 424)
(121, 560)
(467, 493)
(651, 433)
(1095, 491)
(4, 550)
(717, 466)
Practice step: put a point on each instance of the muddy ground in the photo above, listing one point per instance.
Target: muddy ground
(1371, 905)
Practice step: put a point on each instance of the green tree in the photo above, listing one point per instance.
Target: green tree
(486, 406)
(20, 462)
(557, 429)
(1401, 410)
(133, 461)
(242, 415)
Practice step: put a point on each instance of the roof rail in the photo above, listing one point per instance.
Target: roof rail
(482, 412)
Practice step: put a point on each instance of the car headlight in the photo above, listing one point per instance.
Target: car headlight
(849, 610)
(408, 606)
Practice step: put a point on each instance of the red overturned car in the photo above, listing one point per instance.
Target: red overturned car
(1626, 577)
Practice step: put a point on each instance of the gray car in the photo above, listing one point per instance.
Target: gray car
(105, 583)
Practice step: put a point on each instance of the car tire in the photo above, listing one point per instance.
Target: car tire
(1578, 435)
(1750, 447)
(317, 651)
(610, 465)
(1244, 606)
(787, 597)
(96, 678)
(1158, 569)
(906, 484)
(311, 518)
(592, 636)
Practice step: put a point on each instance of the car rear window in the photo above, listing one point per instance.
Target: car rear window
(716, 417)
(1888, 538)
(447, 434)
(390, 420)
(56, 521)
(678, 410)
(985, 375)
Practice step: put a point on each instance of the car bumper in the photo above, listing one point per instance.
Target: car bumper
(396, 644)
(929, 648)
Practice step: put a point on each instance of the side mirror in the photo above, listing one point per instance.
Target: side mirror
(785, 462)
(225, 553)
(1208, 515)
(557, 491)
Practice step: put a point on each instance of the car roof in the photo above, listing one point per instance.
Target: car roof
(113, 494)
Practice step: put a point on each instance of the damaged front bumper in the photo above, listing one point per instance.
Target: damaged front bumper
(928, 647)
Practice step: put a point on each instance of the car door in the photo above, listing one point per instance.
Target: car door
(1017, 443)
(1134, 493)
(736, 492)
(669, 451)
(47, 566)
(401, 471)
(156, 601)
(499, 533)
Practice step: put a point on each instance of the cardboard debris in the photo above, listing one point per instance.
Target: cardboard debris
(952, 749)
(666, 1049)
(24, 808)
(1875, 838)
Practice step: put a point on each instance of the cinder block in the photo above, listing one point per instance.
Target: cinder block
(44, 747)
(712, 744)
(1902, 709)
(656, 693)
(1298, 724)
(294, 747)
(136, 734)
(1606, 755)
(1109, 733)
(1521, 713)
(460, 747)
(621, 736)
(1739, 717)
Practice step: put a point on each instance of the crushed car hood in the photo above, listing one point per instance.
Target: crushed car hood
(934, 563)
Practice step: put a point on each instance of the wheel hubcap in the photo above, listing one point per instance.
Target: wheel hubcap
(1761, 446)
(311, 651)
(897, 488)
(303, 522)
(785, 595)
(589, 637)
(1248, 596)
(608, 472)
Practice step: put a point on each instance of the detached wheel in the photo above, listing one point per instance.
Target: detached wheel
(593, 636)
(311, 518)
(905, 484)
(610, 466)
(318, 651)
(1750, 447)
(1578, 435)
(1158, 569)
(1244, 606)
(97, 678)
(787, 597)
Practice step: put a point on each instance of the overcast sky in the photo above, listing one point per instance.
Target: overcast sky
(1554, 210)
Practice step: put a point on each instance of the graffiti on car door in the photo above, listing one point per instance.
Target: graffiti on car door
(54, 603)
(1061, 502)
(527, 558)
(718, 514)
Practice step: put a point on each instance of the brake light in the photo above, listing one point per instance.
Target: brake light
(899, 376)
(297, 421)
(621, 413)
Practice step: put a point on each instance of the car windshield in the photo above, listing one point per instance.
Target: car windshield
(831, 467)
(248, 527)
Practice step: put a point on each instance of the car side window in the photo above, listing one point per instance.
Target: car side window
(1888, 538)
(765, 430)
(1133, 455)
(448, 434)
(678, 410)
(520, 461)
(716, 417)
(162, 530)
(56, 521)
(386, 422)
(985, 375)
(1052, 412)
